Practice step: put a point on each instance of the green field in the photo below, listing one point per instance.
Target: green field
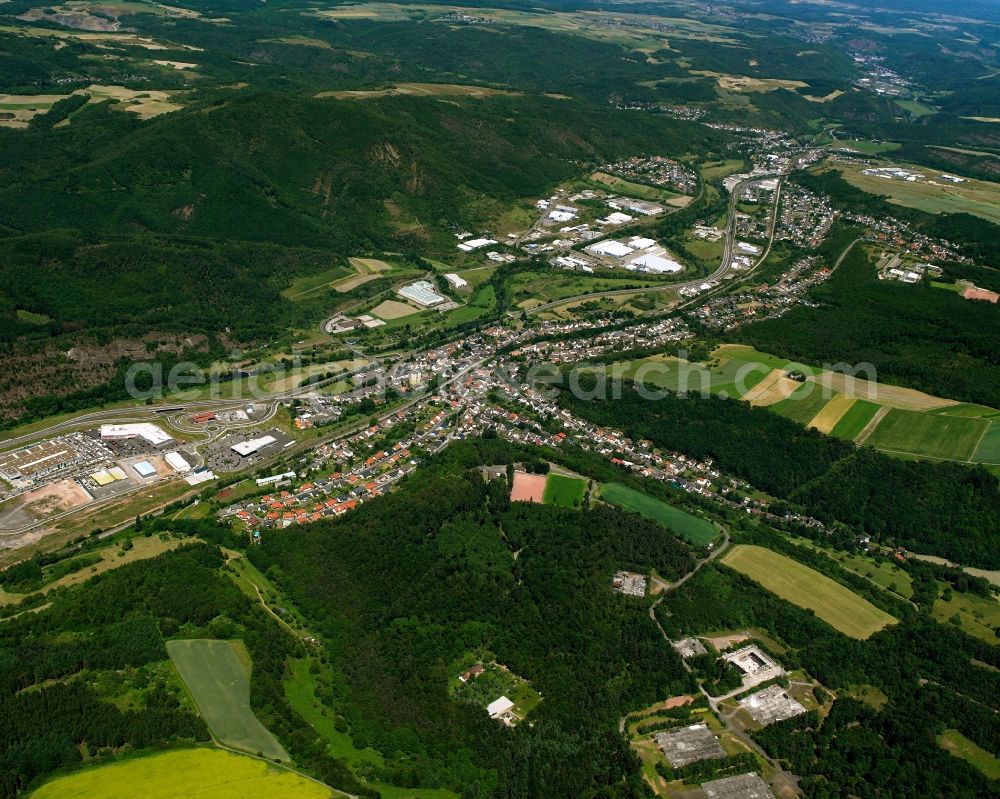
(850, 425)
(568, 492)
(305, 286)
(220, 686)
(927, 434)
(879, 570)
(988, 450)
(698, 531)
(208, 773)
(865, 146)
(953, 742)
(838, 606)
(804, 403)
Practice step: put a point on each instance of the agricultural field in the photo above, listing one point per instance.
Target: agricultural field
(855, 419)
(565, 491)
(640, 190)
(977, 197)
(988, 449)
(927, 434)
(829, 416)
(953, 742)
(17, 110)
(804, 404)
(881, 571)
(184, 773)
(863, 146)
(691, 528)
(835, 604)
(420, 90)
(219, 683)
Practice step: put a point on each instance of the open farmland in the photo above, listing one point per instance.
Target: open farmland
(419, 89)
(829, 416)
(184, 773)
(988, 449)
(565, 491)
(856, 419)
(808, 400)
(829, 600)
(928, 434)
(220, 687)
(933, 195)
(698, 531)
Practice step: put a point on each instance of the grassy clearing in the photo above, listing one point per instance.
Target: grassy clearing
(184, 773)
(978, 615)
(111, 557)
(698, 531)
(220, 686)
(838, 606)
(864, 146)
(304, 286)
(420, 90)
(879, 570)
(956, 744)
(931, 435)
(567, 492)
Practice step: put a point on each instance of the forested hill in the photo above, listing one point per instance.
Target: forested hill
(408, 585)
(297, 170)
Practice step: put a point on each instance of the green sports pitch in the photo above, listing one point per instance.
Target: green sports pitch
(565, 491)
(220, 687)
(698, 531)
(834, 603)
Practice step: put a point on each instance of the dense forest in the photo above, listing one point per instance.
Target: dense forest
(944, 509)
(403, 600)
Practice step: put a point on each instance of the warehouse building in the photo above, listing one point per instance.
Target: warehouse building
(123, 432)
(247, 448)
(422, 293)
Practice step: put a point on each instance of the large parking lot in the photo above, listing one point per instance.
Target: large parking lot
(220, 457)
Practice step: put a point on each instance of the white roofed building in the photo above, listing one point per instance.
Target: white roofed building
(612, 248)
(144, 430)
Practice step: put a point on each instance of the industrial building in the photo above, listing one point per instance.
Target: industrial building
(475, 244)
(770, 705)
(745, 786)
(123, 432)
(685, 745)
(456, 281)
(247, 448)
(657, 264)
(611, 248)
(177, 462)
(144, 469)
(422, 293)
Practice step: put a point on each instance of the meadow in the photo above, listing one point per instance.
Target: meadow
(855, 419)
(838, 606)
(220, 686)
(927, 434)
(979, 616)
(955, 743)
(565, 491)
(697, 531)
(187, 772)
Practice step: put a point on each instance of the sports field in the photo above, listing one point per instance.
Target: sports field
(928, 434)
(698, 531)
(567, 492)
(220, 687)
(203, 773)
(856, 419)
(838, 606)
